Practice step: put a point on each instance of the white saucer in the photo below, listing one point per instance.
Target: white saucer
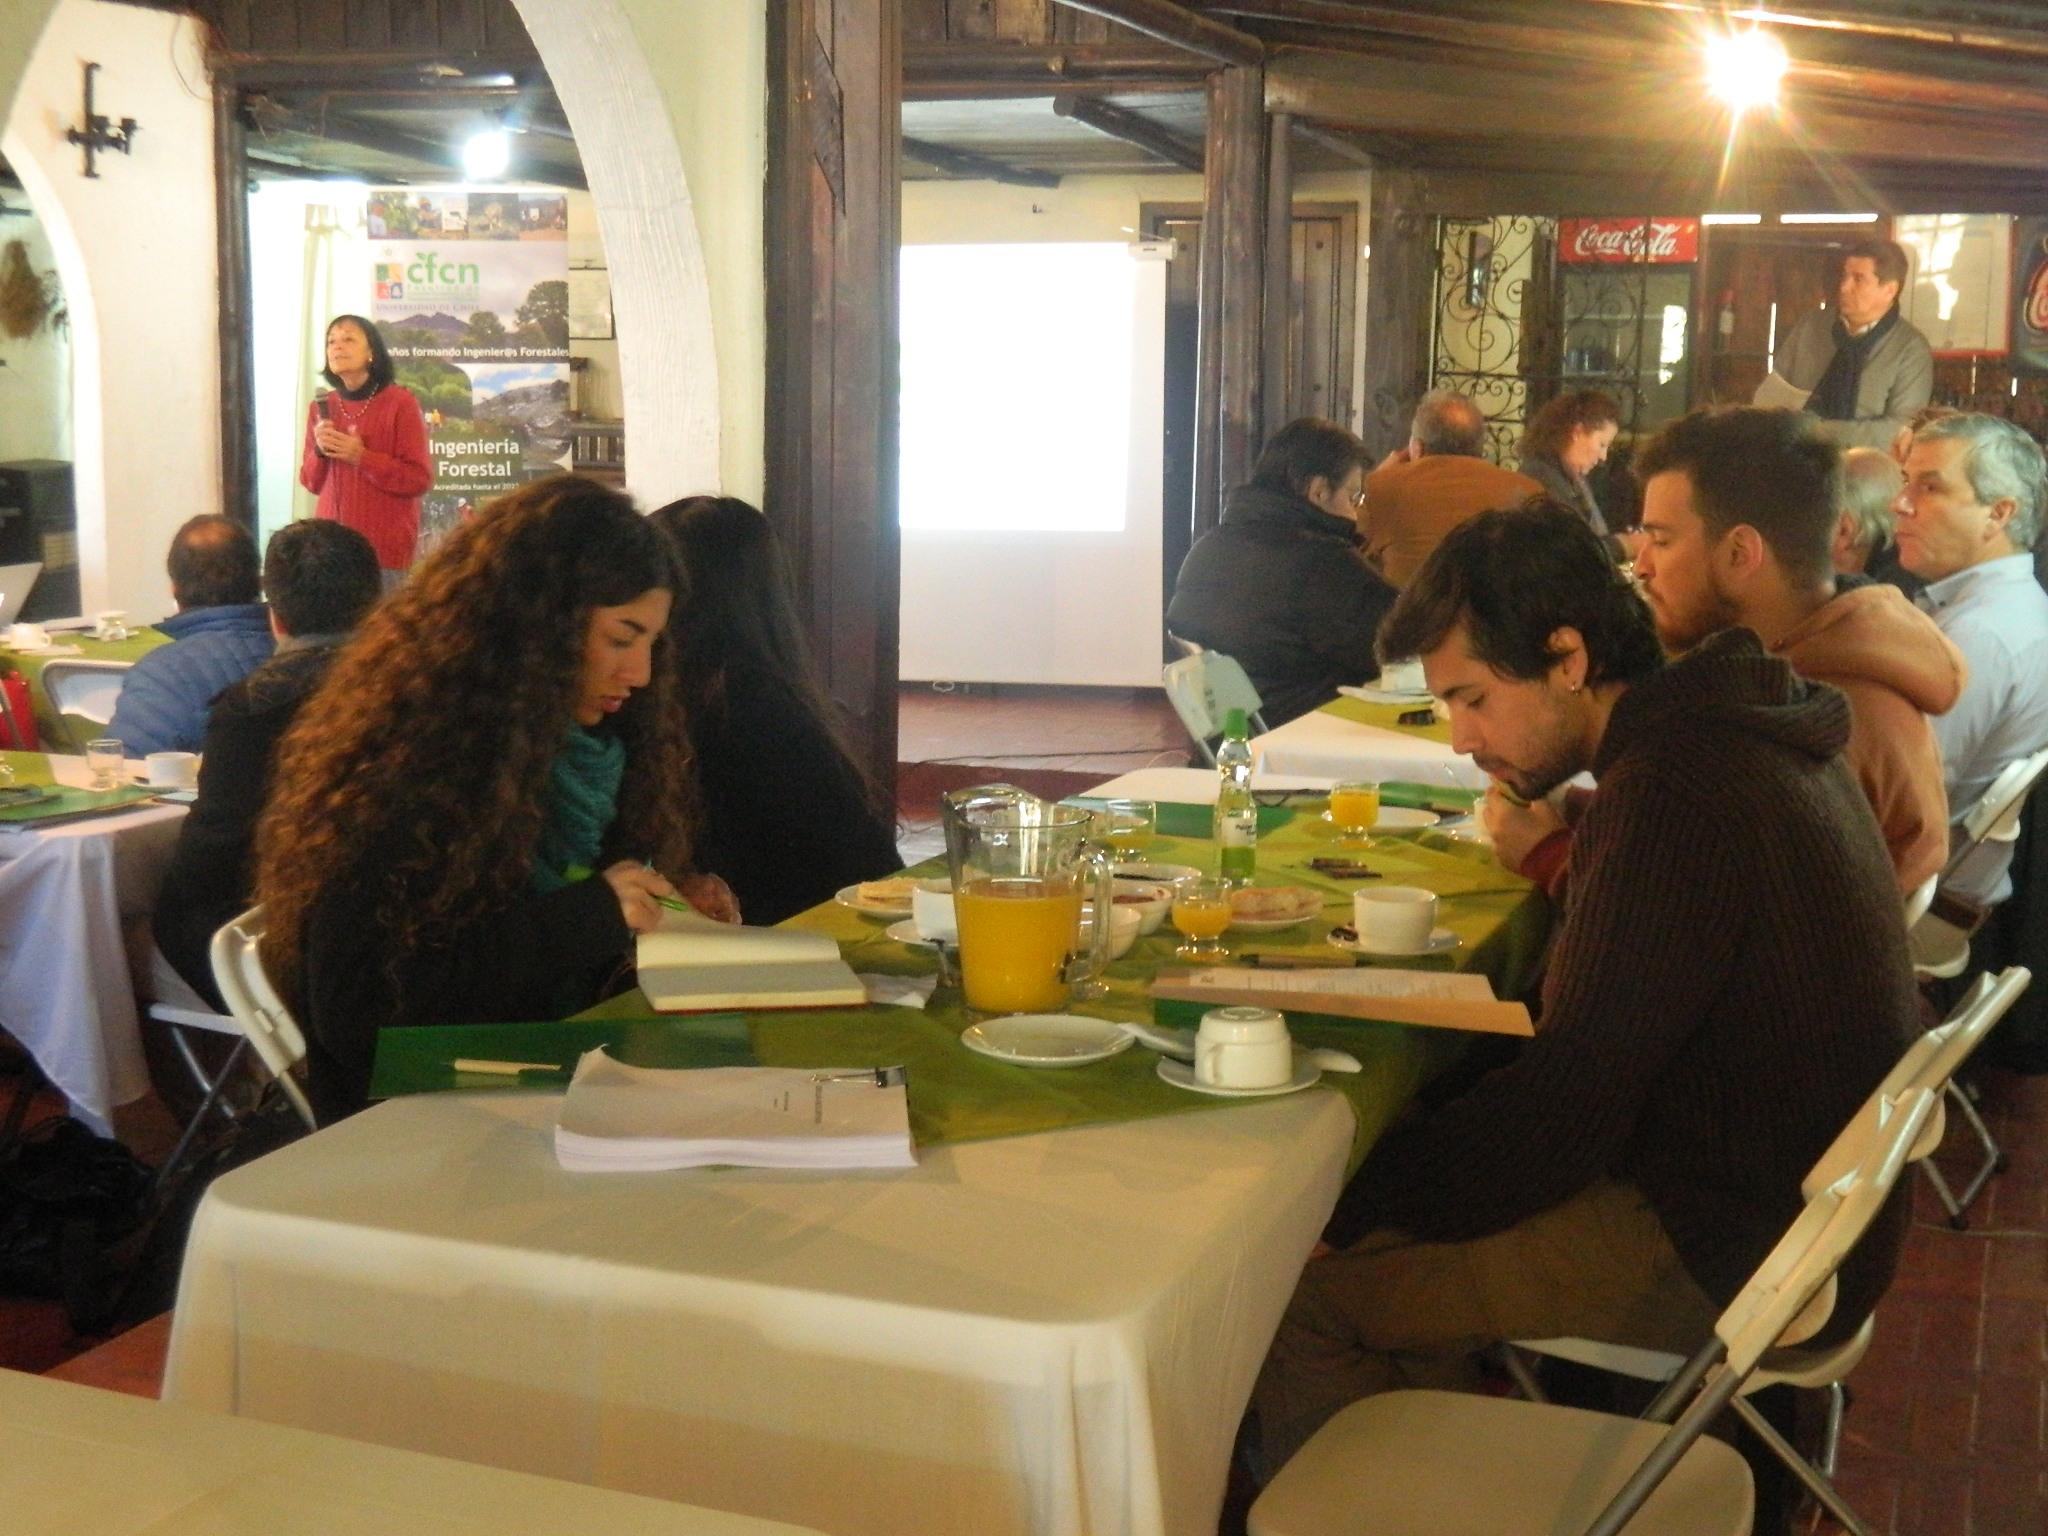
(906, 932)
(1161, 874)
(1373, 693)
(1440, 940)
(1046, 1039)
(1399, 818)
(849, 896)
(1182, 1075)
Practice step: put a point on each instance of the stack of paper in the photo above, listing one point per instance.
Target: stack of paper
(691, 963)
(618, 1118)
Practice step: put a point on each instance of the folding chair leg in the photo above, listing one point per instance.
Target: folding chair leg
(1797, 1464)
(1831, 1445)
(1956, 1218)
(1518, 1371)
(209, 1086)
(213, 1093)
(1994, 1158)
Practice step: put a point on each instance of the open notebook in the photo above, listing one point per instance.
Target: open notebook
(691, 963)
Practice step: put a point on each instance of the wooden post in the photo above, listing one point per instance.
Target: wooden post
(1400, 293)
(1172, 23)
(1279, 300)
(1229, 360)
(237, 351)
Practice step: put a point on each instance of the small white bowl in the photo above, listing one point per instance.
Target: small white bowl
(1124, 924)
(1148, 898)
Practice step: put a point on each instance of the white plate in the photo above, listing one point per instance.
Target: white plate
(849, 896)
(1046, 1039)
(1440, 940)
(1182, 1075)
(1373, 693)
(1164, 874)
(1275, 924)
(906, 932)
(1399, 818)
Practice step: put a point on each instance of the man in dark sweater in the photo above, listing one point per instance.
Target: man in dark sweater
(1281, 584)
(321, 579)
(1728, 983)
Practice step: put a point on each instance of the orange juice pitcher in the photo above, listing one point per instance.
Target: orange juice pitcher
(1022, 868)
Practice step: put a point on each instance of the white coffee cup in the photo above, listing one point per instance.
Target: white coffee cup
(27, 637)
(172, 770)
(1394, 919)
(1243, 1047)
(1403, 677)
(931, 909)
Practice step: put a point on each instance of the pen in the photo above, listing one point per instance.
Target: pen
(1267, 960)
(505, 1068)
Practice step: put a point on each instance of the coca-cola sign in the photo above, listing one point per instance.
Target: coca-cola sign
(1633, 240)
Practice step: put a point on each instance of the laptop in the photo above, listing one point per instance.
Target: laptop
(15, 583)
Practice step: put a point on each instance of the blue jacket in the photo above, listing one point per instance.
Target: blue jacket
(165, 696)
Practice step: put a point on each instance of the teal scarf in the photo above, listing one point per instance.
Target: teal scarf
(582, 797)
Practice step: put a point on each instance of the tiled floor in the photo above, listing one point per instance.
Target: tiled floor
(1945, 1434)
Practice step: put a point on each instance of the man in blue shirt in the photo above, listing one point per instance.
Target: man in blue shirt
(220, 634)
(1967, 524)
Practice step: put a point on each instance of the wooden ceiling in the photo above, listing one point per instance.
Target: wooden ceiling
(1568, 105)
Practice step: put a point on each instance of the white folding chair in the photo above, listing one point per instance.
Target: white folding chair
(1422, 1463)
(83, 690)
(1203, 688)
(174, 1004)
(1929, 1064)
(1941, 949)
(269, 1026)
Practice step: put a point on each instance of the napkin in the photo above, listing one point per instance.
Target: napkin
(898, 991)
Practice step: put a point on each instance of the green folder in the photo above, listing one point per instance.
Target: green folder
(421, 1059)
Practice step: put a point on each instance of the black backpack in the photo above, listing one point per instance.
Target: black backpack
(70, 1204)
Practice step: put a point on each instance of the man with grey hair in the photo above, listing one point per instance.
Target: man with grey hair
(1871, 482)
(1422, 491)
(1967, 523)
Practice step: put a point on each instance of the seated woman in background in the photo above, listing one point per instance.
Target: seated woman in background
(788, 816)
(504, 725)
(1566, 441)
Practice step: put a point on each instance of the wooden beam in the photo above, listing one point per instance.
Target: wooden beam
(1463, 100)
(1176, 24)
(964, 163)
(237, 350)
(1229, 358)
(1278, 304)
(1336, 143)
(1033, 89)
(1122, 123)
(956, 60)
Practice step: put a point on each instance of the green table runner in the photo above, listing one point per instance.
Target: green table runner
(49, 724)
(33, 768)
(957, 1095)
(1386, 716)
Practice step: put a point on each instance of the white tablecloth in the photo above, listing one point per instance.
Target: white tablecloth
(1197, 786)
(77, 1459)
(1047, 1334)
(66, 990)
(1325, 746)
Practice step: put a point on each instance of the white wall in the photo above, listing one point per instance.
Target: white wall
(135, 249)
(35, 384)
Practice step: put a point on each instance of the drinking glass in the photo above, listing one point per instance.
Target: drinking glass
(1354, 808)
(107, 759)
(1201, 911)
(1127, 826)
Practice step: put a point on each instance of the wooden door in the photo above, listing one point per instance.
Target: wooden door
(835, 81)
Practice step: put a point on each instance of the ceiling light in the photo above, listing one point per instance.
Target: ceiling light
(486, 155)
(1744, 68)
(1827, 218)
(1731, 218)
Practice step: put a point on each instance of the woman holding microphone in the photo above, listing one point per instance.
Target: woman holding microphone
(366, 447)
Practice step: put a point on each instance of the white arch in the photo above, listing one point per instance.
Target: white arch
(661, 294)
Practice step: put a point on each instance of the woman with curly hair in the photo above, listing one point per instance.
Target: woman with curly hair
(502, 726)
(1566, 441)
(767, 745)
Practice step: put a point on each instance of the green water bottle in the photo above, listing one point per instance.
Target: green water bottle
(1236, 828)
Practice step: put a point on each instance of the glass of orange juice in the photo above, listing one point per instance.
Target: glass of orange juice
(1201, 911)
(1127, 826)
(1021, 867)
(1354, 808)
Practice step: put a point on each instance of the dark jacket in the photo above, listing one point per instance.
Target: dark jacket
(1729, 982)
(1562, 486)
(165, 696)
(786, 821)
(213, 869)
(1282, 586)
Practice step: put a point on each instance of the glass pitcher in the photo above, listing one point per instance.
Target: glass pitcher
(1022, 867)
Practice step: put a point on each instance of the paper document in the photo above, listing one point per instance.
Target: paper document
(1779, 393)
(618, 1118)
(691, 963)
(1438, 999)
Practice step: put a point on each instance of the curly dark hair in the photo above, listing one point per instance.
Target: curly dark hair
(1550, 429)
(435, 730)
(1513, 579)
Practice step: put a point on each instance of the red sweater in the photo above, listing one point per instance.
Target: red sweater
(380, 496)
